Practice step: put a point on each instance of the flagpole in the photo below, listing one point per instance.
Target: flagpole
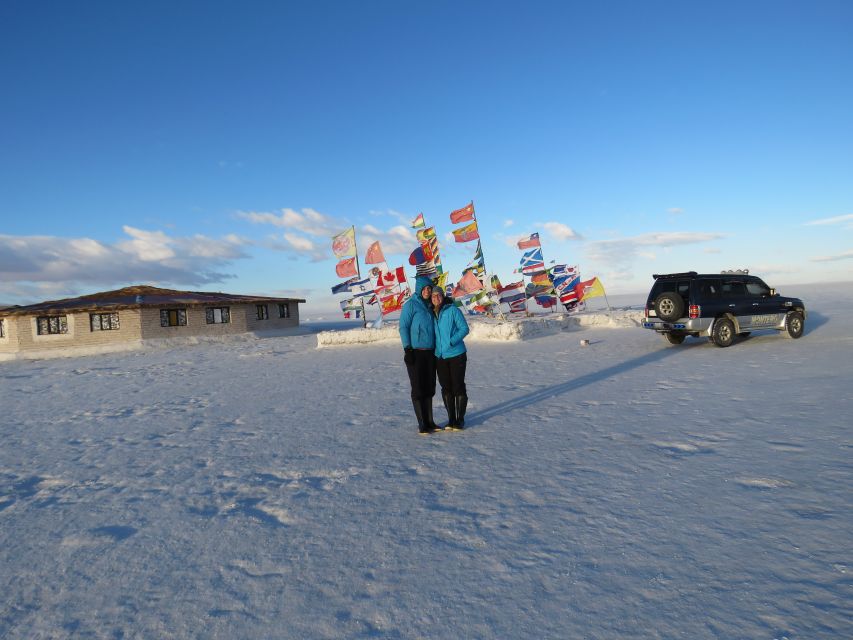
(358, 270)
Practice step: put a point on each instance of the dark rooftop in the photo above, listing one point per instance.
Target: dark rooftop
(139, 296)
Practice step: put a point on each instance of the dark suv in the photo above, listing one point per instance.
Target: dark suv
(719, 306)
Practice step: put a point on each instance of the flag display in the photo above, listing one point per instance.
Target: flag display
(546, 301)
(343, 244)
(466, 233)
(532, 290)
(518, 306)
(392, 278)
(343, 287)
(462, 215)
(590, 289)
(374, 254)
(355, 313)
(361, 287)
(422, 254)
(441, 281)
(531, 261)
(512, 293)
(418, 222)
(469, 283)
(427, 269)
(393, 303)
(351, 305)
(346, 268)
(529, 242)
(425, 234)
(496, 283)
(540, 277)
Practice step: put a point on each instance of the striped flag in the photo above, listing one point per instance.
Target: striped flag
(418, 222)
(462, 215)
(529, 242)
(466, 233)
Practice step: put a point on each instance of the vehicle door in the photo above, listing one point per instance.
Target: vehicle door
(736, 302)
(765, 308)
(707, 296)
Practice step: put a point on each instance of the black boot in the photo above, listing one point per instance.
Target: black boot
(450, 405)
(461, 406)
(429, 423)
(419, 414)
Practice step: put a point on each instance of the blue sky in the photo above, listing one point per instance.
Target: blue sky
(217, 145)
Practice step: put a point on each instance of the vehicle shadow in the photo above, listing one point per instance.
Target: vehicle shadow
(478, 417)
(815, 321)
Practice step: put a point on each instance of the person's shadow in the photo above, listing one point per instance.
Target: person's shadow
(478, 417)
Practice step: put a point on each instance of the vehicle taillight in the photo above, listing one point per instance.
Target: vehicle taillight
(693, 311)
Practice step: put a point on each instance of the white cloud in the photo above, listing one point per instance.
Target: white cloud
(676, 211)
(307, 221)
(847, 218)
(299, 243)
(560, 231)
(508, 223)
(847, 255)
(42, 264)
(624, 250)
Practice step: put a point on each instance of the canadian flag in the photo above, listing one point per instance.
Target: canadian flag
(391, 278)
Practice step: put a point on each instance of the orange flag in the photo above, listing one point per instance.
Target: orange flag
(346, 268)
(462, 215)
(374, 254)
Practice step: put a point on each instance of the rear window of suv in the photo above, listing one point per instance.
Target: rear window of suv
(670, 286)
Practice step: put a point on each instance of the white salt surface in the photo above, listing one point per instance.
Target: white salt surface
(271, 489)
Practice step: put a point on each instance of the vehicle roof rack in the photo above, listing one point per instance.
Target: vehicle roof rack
(684, 274)
(737, 272)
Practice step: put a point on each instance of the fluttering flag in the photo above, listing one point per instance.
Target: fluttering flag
(546, 301)
(374, 254)
(346, 268)
(565, 283)
(496, 283)
(517, 306)
(512, 293)
(469, 283)
(540, 277)
(478, 254)
(392, 278)
(355, 313)
(427, 269)
(393, 303)
(529, 242)
(532, 290)
(351, 304)
(462, 215)
(361, 287)
(343, 244)
(343, 287)
(466, 233)
(569, 297)
(563, 270)
(441, 281)
(531, 261)
(425, 234)
(589, 289)
(418, 222)
(422, 254)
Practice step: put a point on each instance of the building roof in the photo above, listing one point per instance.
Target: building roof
(138, 296)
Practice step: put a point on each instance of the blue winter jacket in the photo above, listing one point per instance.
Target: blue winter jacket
(450, 331)
(417, 328)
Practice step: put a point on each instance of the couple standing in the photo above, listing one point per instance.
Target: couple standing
(432, 329)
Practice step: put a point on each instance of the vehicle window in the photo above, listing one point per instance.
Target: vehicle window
(710, 288)
(757, 288)
(733, 288)
(663, 286)
(683, 287)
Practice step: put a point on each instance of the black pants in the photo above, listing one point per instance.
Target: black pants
(420, 363)
(451, 374)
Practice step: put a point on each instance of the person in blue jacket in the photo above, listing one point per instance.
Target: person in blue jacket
(417, 332)
(451, 358)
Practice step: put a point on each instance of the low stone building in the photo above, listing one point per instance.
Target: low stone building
(127, 318)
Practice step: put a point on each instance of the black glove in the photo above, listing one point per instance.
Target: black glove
(409, 356)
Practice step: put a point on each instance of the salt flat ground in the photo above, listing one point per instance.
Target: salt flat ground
(270, 489)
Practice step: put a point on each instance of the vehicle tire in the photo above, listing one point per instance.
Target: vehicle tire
(674, 338)
(669, 306)
(795, 324)
(724, 332)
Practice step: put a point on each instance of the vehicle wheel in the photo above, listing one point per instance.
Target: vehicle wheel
(669, 306)
(674, 338)
(794, 324)
(724, 332)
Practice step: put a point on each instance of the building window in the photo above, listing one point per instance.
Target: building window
(217, 315)
(283, 310)
(263, 312)
(48, 325)
(173, 317)
(2, 328)
(103, 321)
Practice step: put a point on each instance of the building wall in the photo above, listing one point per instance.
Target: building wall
(243, 319)
(21, 334)
(79, 333)
(9, 341)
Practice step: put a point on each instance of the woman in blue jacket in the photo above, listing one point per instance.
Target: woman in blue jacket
(417, 332)
(451, 358)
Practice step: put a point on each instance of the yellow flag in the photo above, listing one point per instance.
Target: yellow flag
(441, 281)
(591, 289)
(426, 234)
(343, 244)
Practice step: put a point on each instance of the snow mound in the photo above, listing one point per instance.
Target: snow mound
(494, 330)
